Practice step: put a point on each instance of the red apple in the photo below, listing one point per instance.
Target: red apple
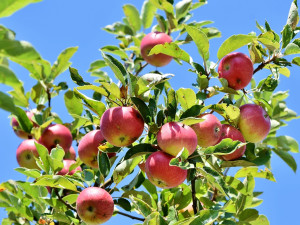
(56, 134)
(142, 166)
(208, 131)
(26, 153)
(67, 164)
(254, 123)
(173, 137)
(88, 148)
(237, 69)
(121, 126)
(70, 154)
(94, 205)
(16, 126)
(161, 174)
(229, 131)
(148, 42)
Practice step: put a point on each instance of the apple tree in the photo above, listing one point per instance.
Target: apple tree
(144, 147)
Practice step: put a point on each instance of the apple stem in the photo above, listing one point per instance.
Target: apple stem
(130, 216)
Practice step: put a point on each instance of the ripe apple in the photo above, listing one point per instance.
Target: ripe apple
(26, 153)
(148, 42)
(16, 126)
(88, 148)
(173, 137)
(208, 131)
(121, 126)
(67, 164)
(237, 69)
(94, 205)
(161, 174)
(70, 154)
(254, 123)
(56, 134)
(229, 131)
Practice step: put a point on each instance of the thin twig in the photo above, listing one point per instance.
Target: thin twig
(141, 68)
(49, 97)
(107, 183)
(65, 203)
(130, 216)
(263, 64)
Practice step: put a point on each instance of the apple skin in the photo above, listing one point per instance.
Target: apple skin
(161, 174)
(254, 123)
(88, 148)
(148, 42)
(237, 69)
(16, 126)
(70, 154)
(208, 131)
(94, 205)
(174, 136)
(67, 164)
(142, 166)
(229, 131)
(56, 134)
(26, 153)
(121, 126)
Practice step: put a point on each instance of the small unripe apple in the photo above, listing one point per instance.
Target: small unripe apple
(88, 148)
(208, 131)
(56, 134)
(234, 134)
(26, 153)
(161, 174)
(16, 126)
(173, 137)
(121, 126)
(70, 154)
(94, 205)
(237, 69)
(254, 123)
(67, 164)
(148, 42)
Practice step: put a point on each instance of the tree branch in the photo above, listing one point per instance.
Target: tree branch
(140, 69)
(194, 196)
(130, 216)
(263, 64)
(65, 203)
(49, 97)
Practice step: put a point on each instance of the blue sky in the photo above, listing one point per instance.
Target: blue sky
(52, 26)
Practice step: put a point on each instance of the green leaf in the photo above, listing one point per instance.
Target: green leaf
(147, 13)
(56, 159)
(38, 94)
(138, 194)
(23, 120)
(76, 77)
(151, 188)
(71, 199)
(62, 63)
(205, 217)
(201, 41)
(56, 181)
(261, 220)
(19, 51)
(138, 150)
(233, 43)
(115, 50)
(296, 61)
(226, 146)
(248, 215)
(289, 159)
(133, 17)
(96, 106)
(43, 154)
(182, 8)
(117, 67)
(255, 172)
(103, 163)
(171, 49)
(229, 112)
(155, 219)
(135, 183)
(143, 109)
(186, 97)
(141, 206)
(191, 120)
(97, 89)
(89, 177)
(236, 184)
(119, 29)
(7, 103)
(73, 104)
(237, 163)
(34, 173)
(98, 64)
(193, 111)
(293, 17)
(285, 143)
(287, 35)
(292, 49)
(8, 77)
(125, 168)
(8, 7)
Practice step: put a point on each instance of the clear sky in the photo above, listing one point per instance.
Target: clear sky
(54, 25)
